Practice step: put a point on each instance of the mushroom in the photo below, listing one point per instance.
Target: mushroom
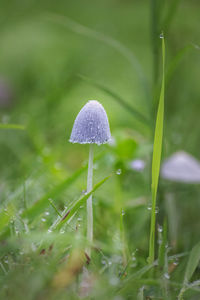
(181, 167)
(91, 126)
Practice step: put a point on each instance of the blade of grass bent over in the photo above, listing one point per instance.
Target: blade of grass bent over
(40, 205)
(157, 149)
(76, 205)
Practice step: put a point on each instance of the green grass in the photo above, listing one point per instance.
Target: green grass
(54, 57)
(157, 151)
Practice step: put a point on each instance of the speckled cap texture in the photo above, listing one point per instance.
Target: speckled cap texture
(91, 125)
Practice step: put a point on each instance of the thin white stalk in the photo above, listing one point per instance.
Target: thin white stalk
(89, 201)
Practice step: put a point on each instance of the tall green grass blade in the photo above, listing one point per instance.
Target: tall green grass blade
(157, 149)
(12, 126)
(192, 264)
(41, 204)
(76, 205)
(118, 99)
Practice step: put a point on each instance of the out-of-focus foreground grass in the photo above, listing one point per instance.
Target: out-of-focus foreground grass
(54, 57)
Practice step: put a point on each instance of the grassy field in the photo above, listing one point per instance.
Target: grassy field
(54, 57)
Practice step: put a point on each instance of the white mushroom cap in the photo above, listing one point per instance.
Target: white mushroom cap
(181, 167)
(91, 125)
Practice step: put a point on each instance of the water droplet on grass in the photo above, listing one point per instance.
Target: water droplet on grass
(133, 258)
(160, 229)
(43, 220)
(161, 36)
(175, 263)
(123, 212)
(46, 213)
(118, 172)
(103, 261)
(149, 207)
(166, 275)
(6, 260)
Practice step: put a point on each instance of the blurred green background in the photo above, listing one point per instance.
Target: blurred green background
(50, 66)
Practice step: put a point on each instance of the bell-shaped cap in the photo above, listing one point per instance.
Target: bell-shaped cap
(181, 167)
(91, 125)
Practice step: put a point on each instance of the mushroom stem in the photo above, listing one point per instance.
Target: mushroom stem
(89, 201)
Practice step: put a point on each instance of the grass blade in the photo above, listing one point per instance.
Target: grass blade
(41, 204)
(76, 205)
(157, 149)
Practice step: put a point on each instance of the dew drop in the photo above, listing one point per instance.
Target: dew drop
(160, 229)
(104, 262)
(43, 220)
(118, 172)
(49, 230)
(123, 212)
(161, 36)
(133, 258)
(149, 207)
(175, 263)
(166, 275)
(62, 231)
(46, 213)
(157, 210)
(6, 260)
